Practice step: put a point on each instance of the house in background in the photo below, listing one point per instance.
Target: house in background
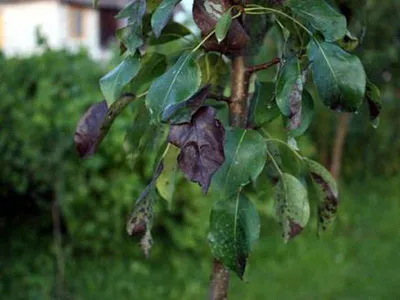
(70, 24)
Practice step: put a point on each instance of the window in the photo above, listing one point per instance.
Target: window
(1, 31)
(76, 22)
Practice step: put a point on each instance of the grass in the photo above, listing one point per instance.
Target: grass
(357, 259)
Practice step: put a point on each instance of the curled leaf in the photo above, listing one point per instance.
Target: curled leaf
(374, 101)
(326, 192)
(223, 25)
(295, 100)
(202, 146)
(141, 219)
(88, 129)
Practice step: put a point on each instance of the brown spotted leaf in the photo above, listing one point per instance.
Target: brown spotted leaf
(202, 146)
(141, 219)
(326, 191)
(88, 129)
(292, 207)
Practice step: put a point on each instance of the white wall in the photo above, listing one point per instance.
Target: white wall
(20, 21)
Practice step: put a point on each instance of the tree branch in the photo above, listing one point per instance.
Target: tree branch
(263, 66)
(219, 282)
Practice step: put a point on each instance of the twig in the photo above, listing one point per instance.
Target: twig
(263, 66)
(219, 282)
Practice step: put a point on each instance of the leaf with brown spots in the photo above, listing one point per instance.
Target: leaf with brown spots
(202, 146)
(326, 191)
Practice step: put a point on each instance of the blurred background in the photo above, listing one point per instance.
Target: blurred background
(62, 220)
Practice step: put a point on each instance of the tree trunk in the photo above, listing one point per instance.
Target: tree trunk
(338, 146)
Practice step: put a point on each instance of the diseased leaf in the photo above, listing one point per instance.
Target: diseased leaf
(88, 129)
(202, 146)
(292, 207)
(374, 101)
(162, 15)
(223, 25)
(306, 115)
(182, 112)
(321, 16)
(214, 71)
(245, 156)
(296, 100)
(327, 193)
(175, 86)
(113, 82)
(131, 34)
(234, 229)
(349, 42)
(141, 219)
(288, 85)
(339, 76)
(206, 14)
(166, 183)
(263, 108)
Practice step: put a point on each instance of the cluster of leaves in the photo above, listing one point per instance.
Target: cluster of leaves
(221, 158)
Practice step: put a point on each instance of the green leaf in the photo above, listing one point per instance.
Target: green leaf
(172, 31)
(326, 191)
(321, 16)
(113, 83)
(286, 84)
(263, 108)
(214, 71)
(374, 101)
(245, 156)
(307, 114)
(284, 157)
(339, 76)
(161, 16)
(131, 34)
(155, 65)
(234, 229)
(166, 183)
(293, 209)
(223, 25)
(175, 86)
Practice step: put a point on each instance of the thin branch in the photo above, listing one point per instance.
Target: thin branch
(219, 282)
(263, 66)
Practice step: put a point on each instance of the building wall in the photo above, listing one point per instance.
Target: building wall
(21, 20)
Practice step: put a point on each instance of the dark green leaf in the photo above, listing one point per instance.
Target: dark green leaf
(374, 101)
(223, 25)
(175, 86)
(234, 229)
(306, 115)
(88, 129)
(172, 31)
(182, 112)
(161, 16)
(284, 157)
(131, 34)
(263, 108)
(326, 192)
(202, 146)
(214, 71)
(321, 16)
(154, 66)
(293, 209)
(288, 85)
(141, 219)
(245, 156)
(113, 83)
(339, 76)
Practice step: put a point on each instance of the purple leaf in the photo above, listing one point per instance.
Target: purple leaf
(202, 146)
(88, 129)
